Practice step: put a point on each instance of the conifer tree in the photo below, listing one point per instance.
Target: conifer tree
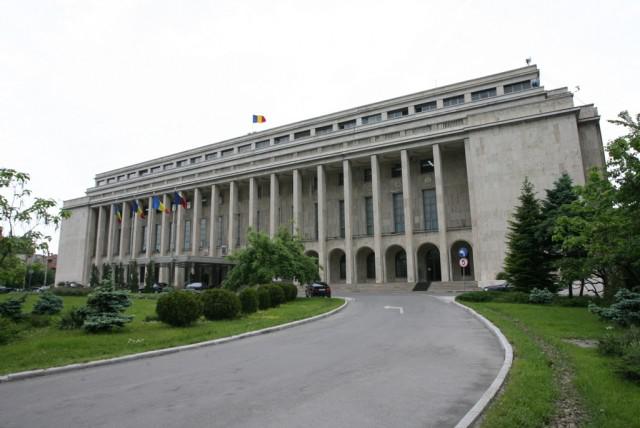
(94, 280)
(133, 277)
(106, 272)
(526, 264)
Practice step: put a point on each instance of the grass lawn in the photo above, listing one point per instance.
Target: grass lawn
(50, 347)
(534, 389)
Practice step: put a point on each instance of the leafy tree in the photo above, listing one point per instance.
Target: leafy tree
(94, 279)
(38, 274)
(264, 259)
(133, 280)
(526, 265)
(22, 216)
(149, 277)
(12, 272)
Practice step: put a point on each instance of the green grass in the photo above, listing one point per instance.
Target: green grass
(50, 347)
(528, 399)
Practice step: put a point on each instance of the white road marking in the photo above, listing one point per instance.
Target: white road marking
(396, 307)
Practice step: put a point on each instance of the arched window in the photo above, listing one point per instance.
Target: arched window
(371, 266)
(401, 264)
(343, 267)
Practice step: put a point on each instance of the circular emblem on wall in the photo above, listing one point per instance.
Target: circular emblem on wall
(463, 252)
(464, 262)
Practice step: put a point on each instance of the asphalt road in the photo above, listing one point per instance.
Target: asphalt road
(366, 366)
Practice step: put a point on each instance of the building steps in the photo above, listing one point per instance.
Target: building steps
(438, 288)
(452, 287)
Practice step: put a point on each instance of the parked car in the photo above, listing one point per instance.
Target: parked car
(194, 286)
(499, 287)
(42, 289)
(159, 287)
(4, 289)
(317, 289)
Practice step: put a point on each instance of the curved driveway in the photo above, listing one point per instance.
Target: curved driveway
(366, 366)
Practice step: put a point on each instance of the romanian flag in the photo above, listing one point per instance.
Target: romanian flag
(137, 208)
(258, 118)
(184, 200)
(178, 199)
(158, 205)
(118, 213)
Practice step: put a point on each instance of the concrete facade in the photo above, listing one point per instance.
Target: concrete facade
(387, 192)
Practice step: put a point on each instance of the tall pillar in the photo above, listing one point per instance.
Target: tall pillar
(135, 252)
(124, 231)
(252, 203)
(195, 222)
(377, 218)
(213, 222)
(297, 202)
(164, 228)
(111, 232)
(442, 220)
(407, 201)
(348, 219)
(179, 234)
(233, 208)
(322, 223)
(151, 228)
(100, 235)
(274, 203)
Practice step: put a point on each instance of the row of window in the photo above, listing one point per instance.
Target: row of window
(325, 129)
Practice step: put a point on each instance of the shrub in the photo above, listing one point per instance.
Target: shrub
(74, 318)
(629, 365)
(105, 307)
(477, 296)
(12, 308)
(69, 291)
(264, 298)
(614, 344)
(248, 300)
(151, 318)
(576, 302)
(541, 297)
(512, 297)
(625, 311)
(37, 320)
(179, 308)
(276, 294)
(220, 304)
(9, 331)
(48, 304)
(290, 292)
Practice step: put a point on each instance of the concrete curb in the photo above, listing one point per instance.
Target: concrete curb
(148, 354)
(473, 414)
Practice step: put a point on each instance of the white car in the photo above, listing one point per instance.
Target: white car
(194, 286)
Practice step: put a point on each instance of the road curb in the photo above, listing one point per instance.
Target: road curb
(472, 415)
(148, 354)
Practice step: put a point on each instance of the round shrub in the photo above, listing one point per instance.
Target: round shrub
(541, 297)
(477, 296)
(48, 304)
(290, 291)
(9, 331)
(249, 300)
(74, 318)
(264, 297)
(276, 294)
(220, 304)
(179, 308)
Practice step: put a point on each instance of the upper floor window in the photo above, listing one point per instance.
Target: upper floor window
(348, 124)
(367, 175)
(155, 169)
(210, 156)
(396, 170)
(481, 95)
(197, 159)
(143, 172)
(373, 118)
(281, 140)
(517, 87)
(302, 134)
(421, 108)
(181, 163)
(394, 114)
(426, 165)
(131, 175)
(262, 144)
(245, 148)
(321, 130)
(227, 152)
(111, 180)
(120, 177)
(453, 101)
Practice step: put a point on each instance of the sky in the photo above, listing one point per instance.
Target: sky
(89, 86)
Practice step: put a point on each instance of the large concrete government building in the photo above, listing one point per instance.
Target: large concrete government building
(383, 193)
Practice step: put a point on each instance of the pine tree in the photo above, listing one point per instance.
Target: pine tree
(94, 280)
(133, 277)
(526, 264)
(106, 272)
(149, 277)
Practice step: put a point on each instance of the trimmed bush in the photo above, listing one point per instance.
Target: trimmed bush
(264, 297)
(576, 302)
(37, 320)
(276, 294)
(541, 297)
(625, 311)
(629, 365)
(12, 308)
(74, 318)
(220, 304)
(290, 291)
(477, 296)
(511, 297)
(48, 304)
(179, 308)
(69, 291)
(248, 300)
(9, 331)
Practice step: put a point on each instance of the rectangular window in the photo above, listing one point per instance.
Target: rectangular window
(143, 246)
(517, 87)
(341, 179)
(374, 118)
(368, 214)
(172, 237)
(226, 152)
(210, 156)
(220, 231)
(262, 144)
(141, 173)
(483, 94)
(424, 107)
(302, 134)
(281, 139)
(315, 219)
(322, 130)
(398, 213)
(244, 148)
(396, 170)
(395, 114)
(196, 159)
(341, 214)
(181, 163)
(156, 238)
(258, 220)
(111, 180)
(203, 233)
(237, 230)
(348, 124)
(259, 191)
(366, 175)
(430, 209)
(130, 175)
(453, 101)
(187, 235)
(155, 169)
(116, 248)
(314, 184)
(426, 165)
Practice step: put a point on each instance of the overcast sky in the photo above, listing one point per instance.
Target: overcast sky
(89, 86)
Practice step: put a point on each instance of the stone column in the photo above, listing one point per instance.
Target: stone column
(213, 220)
(297, 202)
(195, 222)
(135, 251)
(111, 233)
(179, 234)
(233, 208)
(407, 201)
(377, 218)
(322, 223)
(348, 220)
(124, 231)
(166, 221)
(274, 203)
(151, 228)
(252, 203)
(442, 220)
(100, 236)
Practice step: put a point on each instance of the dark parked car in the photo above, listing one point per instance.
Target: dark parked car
(317, 289)
(501, 287)
(159, 287)
(4, 289)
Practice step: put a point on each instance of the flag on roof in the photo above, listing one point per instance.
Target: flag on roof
(118, 213)
(258, 118)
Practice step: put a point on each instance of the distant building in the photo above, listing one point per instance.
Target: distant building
(395, 191)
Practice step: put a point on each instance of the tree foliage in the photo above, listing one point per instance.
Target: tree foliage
(133, 281)
(94, 279)
(264, 259)
(148, 277)
(105, 309)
